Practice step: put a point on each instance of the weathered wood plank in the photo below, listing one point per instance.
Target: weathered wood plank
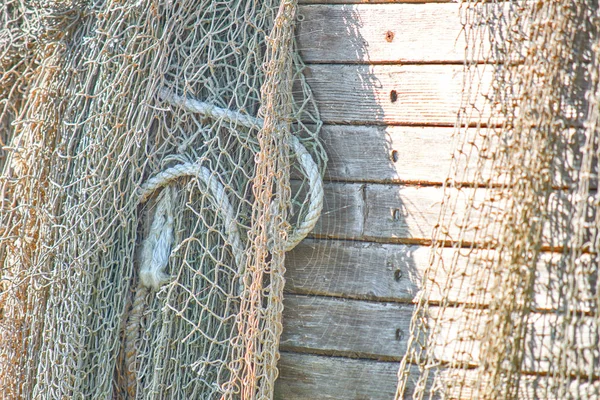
(404, 154)
(408, 214)
(309, 377)
(381, 33)
(391, 94)
(387, 154)
(394, 273)
(402, 212)
(380, 331)
(347, 208)
(373, 271)
(343, 211)
(345, 327)
(392, 213)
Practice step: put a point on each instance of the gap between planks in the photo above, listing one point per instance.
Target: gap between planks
(409, 214)
(310, 377)
(380, 331)
(394, 273)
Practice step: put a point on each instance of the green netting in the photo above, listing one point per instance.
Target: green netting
(514, 312)
(146, 204)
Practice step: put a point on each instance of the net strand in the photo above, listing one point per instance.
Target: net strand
(96, 301)
(510, 311)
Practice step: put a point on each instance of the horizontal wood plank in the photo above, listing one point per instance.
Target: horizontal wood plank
(408, 214)
(359, 270)
(343, 212)
(345, 327)
(309, 377)
(381, 331)
(404, 154)
(384, 33)
(391, 94)
(394, 273)
(387, 154)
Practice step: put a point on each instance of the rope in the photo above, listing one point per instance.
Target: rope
(315, 206)
(308, 165)
(218, 192)
(157, 247)
(132, 331)
(210, 110)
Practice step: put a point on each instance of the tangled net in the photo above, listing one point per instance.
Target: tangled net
(512, 310)
(146, 202)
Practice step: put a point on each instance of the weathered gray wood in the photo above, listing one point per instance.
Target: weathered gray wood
(394, 272)
(374, 271)
(404, 154)
(311, 377)
(388, 213)
(345, 327)
(387, 154)
(402, 212)
(367, 211)
(408, 214)
(380, 331)
(381, 33)
(343, 211)
(391, 94)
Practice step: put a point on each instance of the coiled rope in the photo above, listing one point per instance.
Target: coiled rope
(157, 246)
(307, 164)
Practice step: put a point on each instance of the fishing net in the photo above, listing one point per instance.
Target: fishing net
(510, 304)
(146, 201)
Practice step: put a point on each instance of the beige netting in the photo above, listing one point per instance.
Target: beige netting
(146, 201)
(510, 306)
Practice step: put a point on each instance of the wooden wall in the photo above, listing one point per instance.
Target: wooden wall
(387, 77)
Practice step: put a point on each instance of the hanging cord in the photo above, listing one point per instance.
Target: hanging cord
(307, 164)
(156, 249)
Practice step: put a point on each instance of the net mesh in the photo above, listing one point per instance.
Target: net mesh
(146, 202)
(510, 304)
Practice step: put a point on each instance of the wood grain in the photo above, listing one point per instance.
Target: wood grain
(359, 270)
(345, 327)
(343, 212)
(387, 154)
(394, 273)
(409, 214)
(360, 329)
(381, 33)
(391, 94)
(310, 377)
(404, 154)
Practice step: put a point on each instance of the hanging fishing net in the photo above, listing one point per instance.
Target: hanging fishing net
(510, 304)
(146, 203)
